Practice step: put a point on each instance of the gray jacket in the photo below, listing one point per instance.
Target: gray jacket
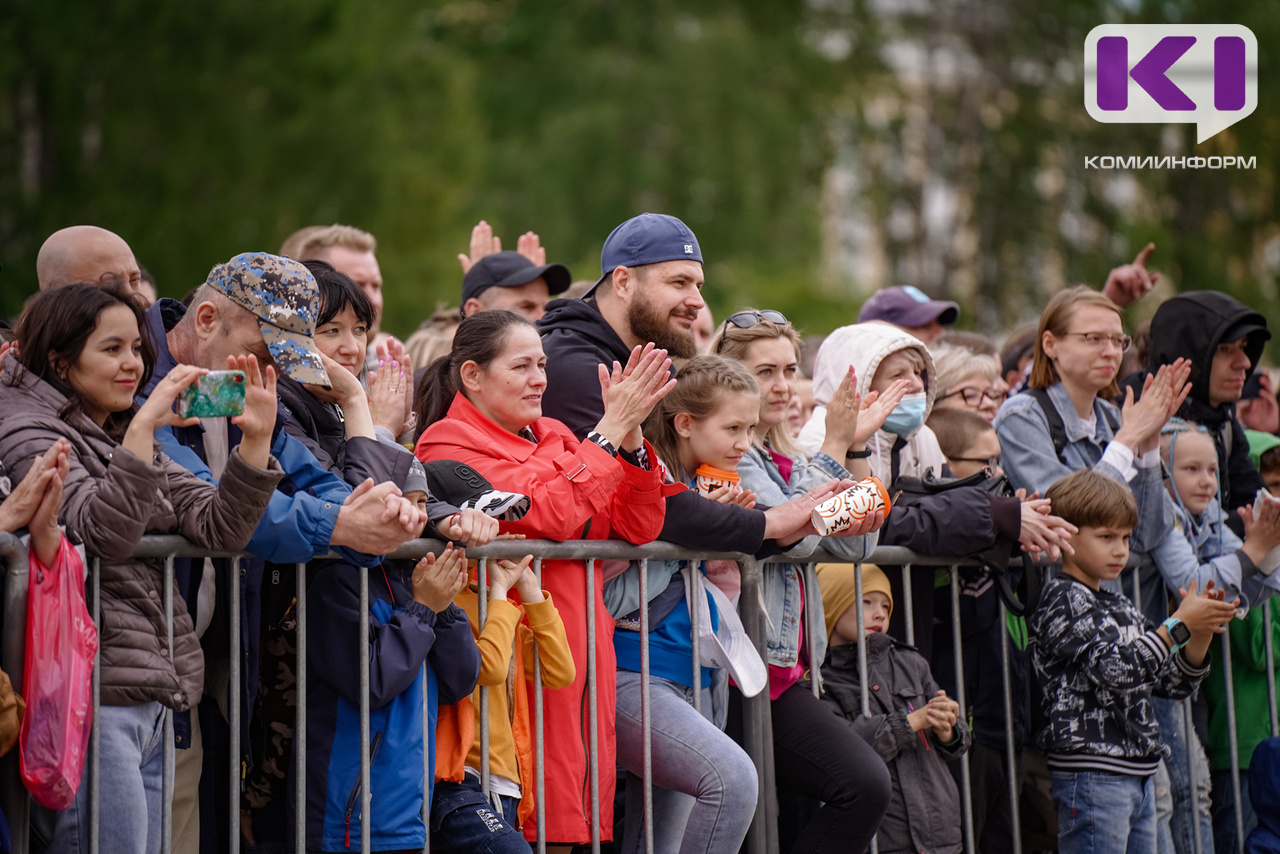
(110, 500)
(924, 810)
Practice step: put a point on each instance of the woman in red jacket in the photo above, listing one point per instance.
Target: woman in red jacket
(484, 408)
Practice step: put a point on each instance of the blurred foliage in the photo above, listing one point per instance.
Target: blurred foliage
(197, 130)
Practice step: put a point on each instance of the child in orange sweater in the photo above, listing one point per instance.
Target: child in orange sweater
(462, 818)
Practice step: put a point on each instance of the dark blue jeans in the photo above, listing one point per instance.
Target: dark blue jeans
(463, 819)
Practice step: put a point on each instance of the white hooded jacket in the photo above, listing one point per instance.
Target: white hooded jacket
(865, 346)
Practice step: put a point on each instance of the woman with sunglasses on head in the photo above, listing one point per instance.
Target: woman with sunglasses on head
(968, 380)
(84, 355)
(1065, 421)
(816, 755)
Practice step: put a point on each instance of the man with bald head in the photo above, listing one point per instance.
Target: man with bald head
(86, 254)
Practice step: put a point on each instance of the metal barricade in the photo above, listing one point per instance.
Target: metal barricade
(758, 741)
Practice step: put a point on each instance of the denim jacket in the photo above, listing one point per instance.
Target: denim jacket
(1029, 459)
(781, 587)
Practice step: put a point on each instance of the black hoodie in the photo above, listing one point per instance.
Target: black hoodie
(577, 338)
(1192, 325)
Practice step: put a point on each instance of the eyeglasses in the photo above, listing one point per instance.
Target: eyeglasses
(973, 396)
(992, 463)
(1099, 340)
(748, 319)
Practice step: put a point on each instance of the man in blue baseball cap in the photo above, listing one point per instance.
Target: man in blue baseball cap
(649, 290)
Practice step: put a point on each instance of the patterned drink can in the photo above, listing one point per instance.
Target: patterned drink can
(857, 502)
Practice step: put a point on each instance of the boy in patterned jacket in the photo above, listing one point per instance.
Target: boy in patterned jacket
(1098, 662)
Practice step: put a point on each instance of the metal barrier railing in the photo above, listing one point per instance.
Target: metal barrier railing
(763, 836)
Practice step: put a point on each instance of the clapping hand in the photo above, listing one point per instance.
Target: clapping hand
(437, 580)
(631, 392)
(36, 499)
(852, 419)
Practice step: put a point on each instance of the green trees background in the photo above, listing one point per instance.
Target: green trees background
(819, 149)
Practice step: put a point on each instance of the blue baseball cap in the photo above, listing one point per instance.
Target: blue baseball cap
(649, 238)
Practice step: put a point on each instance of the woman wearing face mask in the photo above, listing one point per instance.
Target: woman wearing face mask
(960, 521)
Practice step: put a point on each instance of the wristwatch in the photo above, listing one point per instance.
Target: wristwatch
(1179, 634)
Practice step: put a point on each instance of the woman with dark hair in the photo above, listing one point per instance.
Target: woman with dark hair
(84, 355)
(482, 405)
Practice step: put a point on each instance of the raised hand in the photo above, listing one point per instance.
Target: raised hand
(387, 399)
(530, 246)
(631, 392)
(1141, 420)
(483, 242)
(258, 420)
(437, 580)
(157, 411)
(1128, 283)
(1179, 374)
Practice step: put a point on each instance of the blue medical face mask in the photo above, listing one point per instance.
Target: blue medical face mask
(908, 415)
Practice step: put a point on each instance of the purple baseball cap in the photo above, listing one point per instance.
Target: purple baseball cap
(907, 306)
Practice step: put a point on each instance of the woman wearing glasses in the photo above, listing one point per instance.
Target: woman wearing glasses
(816, 755)
(1066, 421)
(968, 380)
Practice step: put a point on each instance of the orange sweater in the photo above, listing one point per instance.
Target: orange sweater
(510, 725)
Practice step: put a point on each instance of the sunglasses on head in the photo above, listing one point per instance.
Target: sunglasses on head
(748, 319)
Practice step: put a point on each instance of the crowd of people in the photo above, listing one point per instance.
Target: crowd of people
(615, 407)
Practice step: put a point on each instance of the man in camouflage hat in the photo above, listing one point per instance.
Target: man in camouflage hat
(263, 305)
(283, 296)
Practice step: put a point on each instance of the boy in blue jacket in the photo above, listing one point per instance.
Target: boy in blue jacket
(412, 622)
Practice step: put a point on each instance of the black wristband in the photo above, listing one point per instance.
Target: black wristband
(593, 436)
(864, 454)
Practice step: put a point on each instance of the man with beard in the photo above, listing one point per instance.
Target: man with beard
(649, 290)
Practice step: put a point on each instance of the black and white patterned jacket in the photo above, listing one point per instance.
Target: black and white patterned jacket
(1098, 662)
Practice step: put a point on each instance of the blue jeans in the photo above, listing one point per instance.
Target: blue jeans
(704, 785)
(130, 786)
(1104, 813)
(1187, 801)
(1225, 837)
(463, 819)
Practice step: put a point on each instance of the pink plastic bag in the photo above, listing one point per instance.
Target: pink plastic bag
(61, 644)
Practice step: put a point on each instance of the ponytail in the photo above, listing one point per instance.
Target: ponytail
(480, 338)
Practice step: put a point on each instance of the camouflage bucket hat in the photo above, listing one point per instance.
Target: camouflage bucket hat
(283, 295)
